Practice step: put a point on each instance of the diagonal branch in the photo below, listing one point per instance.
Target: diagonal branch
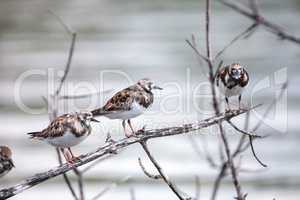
(118, 145)
(171, 185)
(152, 176)
(274, 28)
(235, 39)
(54, 104)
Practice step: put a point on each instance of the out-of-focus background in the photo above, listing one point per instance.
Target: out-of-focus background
(137, 39)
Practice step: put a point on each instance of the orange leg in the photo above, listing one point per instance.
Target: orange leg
(74, 158)
(68, 156)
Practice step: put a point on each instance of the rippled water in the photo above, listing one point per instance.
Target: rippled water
(147, 39)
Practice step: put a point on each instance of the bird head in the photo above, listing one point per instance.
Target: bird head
(236, 71)
(148, 85)
(6, 153)
(86, 117)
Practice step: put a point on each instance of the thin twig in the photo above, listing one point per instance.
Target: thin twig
(254, 6)
(254, 154)
(196, 50)
(235, 39)
(251, 134)
(217, 181)
(55, 100)
(274, 28)
(230, 162)
(66, 178)
(118, 145)
(152, 176)
(80, 183)
(171, 185)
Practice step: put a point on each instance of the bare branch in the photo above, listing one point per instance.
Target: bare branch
(171, 185)
(54, 102)
(80, 183)
(254, 6)
(254, 154)
(118, 145)
(235, 39)
(253, 135)
(216, 105)
(66, 178)
(196, 50)
(274, 28)
(152, 176)
(217, 181)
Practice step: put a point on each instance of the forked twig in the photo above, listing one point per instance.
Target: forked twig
(274, 28)
(152, 176)
(161, 172)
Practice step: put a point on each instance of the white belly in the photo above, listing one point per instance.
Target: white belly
(235, 91)
(67, 140)
(136, 110)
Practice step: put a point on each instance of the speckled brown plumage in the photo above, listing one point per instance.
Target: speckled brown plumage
(61, 124)
(129, 103)
(123, 100)
(231, 82)
(6, 163)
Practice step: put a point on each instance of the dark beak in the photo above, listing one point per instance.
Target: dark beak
(11, 162)
(94, 120)
(157, 87)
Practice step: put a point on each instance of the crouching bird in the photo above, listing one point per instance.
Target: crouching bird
(66, 131)
(6, 163)
(232, 81)
(129, 103)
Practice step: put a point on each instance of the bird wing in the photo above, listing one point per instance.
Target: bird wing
(121, 101)
(245, 79)
(6, 164)
(56, 128)
(221, 75)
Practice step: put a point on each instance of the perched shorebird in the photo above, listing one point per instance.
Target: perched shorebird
(129, 103)
(6, 163)
(66, 131)
(232, 80)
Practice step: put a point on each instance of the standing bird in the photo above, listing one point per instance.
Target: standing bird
(231, 80)
(129, 103)
(66, 131)
(6, 163)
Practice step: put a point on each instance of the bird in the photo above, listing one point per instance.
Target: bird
(6, 162)
(129, 103)
(231, 81)
(66, 131)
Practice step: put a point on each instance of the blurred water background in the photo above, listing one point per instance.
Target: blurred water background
(147, 39)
